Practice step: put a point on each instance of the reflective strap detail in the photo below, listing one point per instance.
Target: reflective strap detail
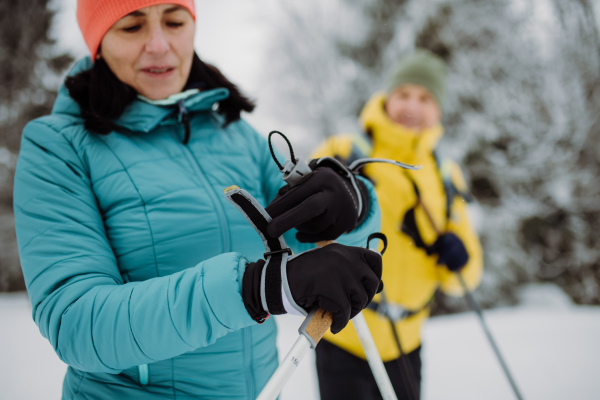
(143, 370)
(395, 311)
(271, 277)
(345, 170)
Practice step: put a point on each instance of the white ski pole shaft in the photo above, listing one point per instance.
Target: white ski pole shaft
(314, 327)
(285, 370)
(312, 330)
(368, 344)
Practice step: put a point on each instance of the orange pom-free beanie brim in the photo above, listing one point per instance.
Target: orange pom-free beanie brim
(95, 17)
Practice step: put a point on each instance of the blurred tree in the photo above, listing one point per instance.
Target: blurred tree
(30, 72)
(522, 116)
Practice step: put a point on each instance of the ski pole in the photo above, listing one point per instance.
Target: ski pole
(317, 321)
(406, 369)
(477, 309)
(373, 358)
(316, 324)
(368, 344)
(312, 330)
(295, 172)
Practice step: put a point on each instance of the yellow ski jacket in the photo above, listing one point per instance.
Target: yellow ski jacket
(410, 275)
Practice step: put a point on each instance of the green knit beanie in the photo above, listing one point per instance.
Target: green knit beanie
(421, 68)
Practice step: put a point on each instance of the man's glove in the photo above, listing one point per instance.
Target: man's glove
(339, 279)
(323, 207)
(451, 252)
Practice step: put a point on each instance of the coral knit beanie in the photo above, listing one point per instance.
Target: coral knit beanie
(95, 17)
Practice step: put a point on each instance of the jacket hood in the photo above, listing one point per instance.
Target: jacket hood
(398, 142)
(139, 116)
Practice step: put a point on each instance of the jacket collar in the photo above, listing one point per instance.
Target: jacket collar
(140, 116)
(393, 140)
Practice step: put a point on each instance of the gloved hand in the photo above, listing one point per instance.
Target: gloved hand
(451, 252)
(322, 207)
(339, 279)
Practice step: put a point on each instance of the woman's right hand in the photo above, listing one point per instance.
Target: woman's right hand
(337, 278)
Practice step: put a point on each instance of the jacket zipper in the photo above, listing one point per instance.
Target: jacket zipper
(247, 340)
(184, 118)
(246, 334)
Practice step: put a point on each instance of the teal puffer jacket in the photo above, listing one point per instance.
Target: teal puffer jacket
(133, 258)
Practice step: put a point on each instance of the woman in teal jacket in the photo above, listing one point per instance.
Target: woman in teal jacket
(132, 257)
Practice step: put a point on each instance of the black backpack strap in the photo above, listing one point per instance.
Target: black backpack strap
(450, 189)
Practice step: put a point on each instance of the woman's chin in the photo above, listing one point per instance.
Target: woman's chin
(159, 92)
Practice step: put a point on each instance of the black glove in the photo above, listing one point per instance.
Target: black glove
(323, 207)
(339, 279)
(451, 251)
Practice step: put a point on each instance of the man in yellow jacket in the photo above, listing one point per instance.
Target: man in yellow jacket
(424, 216)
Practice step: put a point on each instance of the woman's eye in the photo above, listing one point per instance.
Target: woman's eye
(133, 28)
(174, 24)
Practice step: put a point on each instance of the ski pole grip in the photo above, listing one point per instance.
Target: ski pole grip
(318, 321)
(315, 325)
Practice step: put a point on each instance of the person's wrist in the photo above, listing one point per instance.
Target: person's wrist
(251, 291)
(366, 202)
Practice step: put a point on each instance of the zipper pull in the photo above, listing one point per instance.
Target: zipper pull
(184, 117)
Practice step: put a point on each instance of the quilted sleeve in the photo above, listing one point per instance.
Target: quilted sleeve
(95, 321)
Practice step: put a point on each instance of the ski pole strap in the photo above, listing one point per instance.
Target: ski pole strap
(274, 247)
(274, 273)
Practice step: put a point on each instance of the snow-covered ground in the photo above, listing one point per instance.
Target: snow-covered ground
(551, 347)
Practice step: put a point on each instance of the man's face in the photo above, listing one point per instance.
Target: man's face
(413, 107)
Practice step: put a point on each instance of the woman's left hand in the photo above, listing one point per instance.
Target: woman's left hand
(323, 207)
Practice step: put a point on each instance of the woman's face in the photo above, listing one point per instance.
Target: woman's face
(413, 106)
(151, 49)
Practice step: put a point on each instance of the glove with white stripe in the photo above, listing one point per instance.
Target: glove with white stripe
(339, 279)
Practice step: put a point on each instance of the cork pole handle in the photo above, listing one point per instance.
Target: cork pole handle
(319, 321)
(312, 330)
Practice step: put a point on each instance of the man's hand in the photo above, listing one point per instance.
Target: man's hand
(451, 252)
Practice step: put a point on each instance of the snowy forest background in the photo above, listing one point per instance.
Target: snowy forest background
(522, 116)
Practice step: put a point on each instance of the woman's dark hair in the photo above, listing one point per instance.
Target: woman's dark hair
(102, 97)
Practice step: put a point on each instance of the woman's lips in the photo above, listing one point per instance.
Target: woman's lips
(158, 72)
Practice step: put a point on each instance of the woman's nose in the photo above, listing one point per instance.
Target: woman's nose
(157, 42)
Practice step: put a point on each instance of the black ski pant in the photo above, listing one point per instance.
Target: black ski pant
(343, 376)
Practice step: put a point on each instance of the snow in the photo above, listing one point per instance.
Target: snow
(550, 346)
